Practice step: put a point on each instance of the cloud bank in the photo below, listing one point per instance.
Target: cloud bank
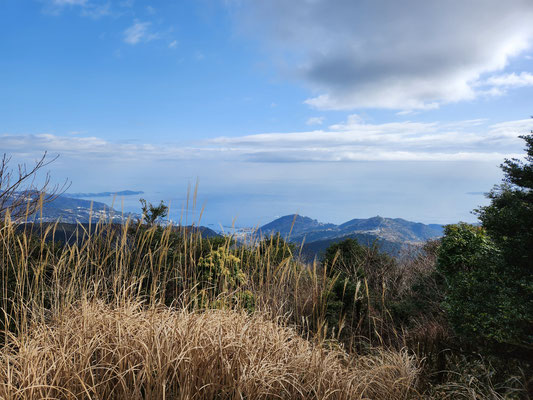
(350, 141)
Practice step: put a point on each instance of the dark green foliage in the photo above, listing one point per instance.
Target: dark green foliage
(276, 249)
(489, 270)
(518, 173)
(359, 262)
(344, 264)
(346, 257)
(464, 249)
(345, 301)
(173, 247)
(421, 301)
(509, 222)
(476, 300)
(316, 248)
(357, 276)
(153, 213)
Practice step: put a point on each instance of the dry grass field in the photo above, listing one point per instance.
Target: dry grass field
(131, 313)
(138, 312)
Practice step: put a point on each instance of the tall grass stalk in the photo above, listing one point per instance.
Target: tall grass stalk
(122, 311)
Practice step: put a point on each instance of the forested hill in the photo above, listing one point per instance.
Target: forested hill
(296, 228)
(391, 234)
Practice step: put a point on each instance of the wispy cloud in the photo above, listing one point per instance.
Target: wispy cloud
(87, 8)
(315, 121)
(350, 141)
(90, 147)
(355, 140)
(511, 80)
(96, 10)
(55, 7)
(139, 32)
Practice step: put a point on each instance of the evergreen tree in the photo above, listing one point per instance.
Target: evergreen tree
(509, 217)
(489, 269)
(509, 222)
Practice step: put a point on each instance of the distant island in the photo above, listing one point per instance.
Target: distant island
(103, 194)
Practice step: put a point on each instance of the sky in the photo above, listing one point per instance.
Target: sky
(333, 109)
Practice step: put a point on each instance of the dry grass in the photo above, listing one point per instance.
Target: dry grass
(87, 320)
(125, 312)
(94, 351)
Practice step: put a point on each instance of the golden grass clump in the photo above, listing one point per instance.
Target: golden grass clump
(96, 351)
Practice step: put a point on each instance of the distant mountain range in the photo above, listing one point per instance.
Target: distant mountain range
(390, 234)
(73, 210)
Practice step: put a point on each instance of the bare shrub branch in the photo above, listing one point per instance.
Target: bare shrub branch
(21, 194)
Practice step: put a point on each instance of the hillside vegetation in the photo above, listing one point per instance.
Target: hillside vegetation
(140, 311)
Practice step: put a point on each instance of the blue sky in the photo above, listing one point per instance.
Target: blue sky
(332, 109)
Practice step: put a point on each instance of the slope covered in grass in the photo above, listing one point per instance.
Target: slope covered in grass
(145, 312)
(94, 351)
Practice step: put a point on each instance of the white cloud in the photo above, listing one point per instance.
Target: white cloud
(97, 11)
(413, 54)
(511, 80)
(352, 140)
(355, 140)
(138, 32)
(315, 121)
(173, 44)
(88, 8)
(91, 147)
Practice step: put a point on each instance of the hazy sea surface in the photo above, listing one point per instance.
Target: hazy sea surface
(182, 210)
(256, 205)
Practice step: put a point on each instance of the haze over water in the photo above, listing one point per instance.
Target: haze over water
(278, 107)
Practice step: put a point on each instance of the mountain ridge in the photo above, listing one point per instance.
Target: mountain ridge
(294, 227)
(390, 234)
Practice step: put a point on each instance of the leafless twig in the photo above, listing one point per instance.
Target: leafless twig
(20, 193)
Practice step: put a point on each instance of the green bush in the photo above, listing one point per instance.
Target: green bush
(221, 281)
(476, 297)
(509, 222)
(488, 269)
(347, 257)
(220, 269)
(357, 275)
